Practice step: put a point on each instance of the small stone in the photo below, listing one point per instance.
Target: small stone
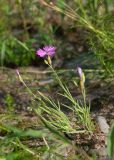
(104, 127)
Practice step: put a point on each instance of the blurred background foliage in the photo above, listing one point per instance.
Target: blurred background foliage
(28, 25)
(23, 29)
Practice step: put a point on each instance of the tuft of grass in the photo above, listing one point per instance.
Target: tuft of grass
(97, 20)
(9, 102)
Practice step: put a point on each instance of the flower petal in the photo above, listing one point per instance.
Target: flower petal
(51, 53)
(41, 53)
(49, 48)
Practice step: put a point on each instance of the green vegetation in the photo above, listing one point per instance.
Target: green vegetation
(111, 142)
(16, 43)
(58, 124)
(96, 19)
(22, 27)
(9, 102)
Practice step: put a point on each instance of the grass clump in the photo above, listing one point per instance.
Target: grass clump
(96, 18)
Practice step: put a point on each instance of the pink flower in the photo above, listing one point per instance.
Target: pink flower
(17, 71)
(46, 51)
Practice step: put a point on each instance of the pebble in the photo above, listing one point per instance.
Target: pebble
(103, 125)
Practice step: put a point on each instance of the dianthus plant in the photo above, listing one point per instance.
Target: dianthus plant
(51, 112)
(81, 120)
